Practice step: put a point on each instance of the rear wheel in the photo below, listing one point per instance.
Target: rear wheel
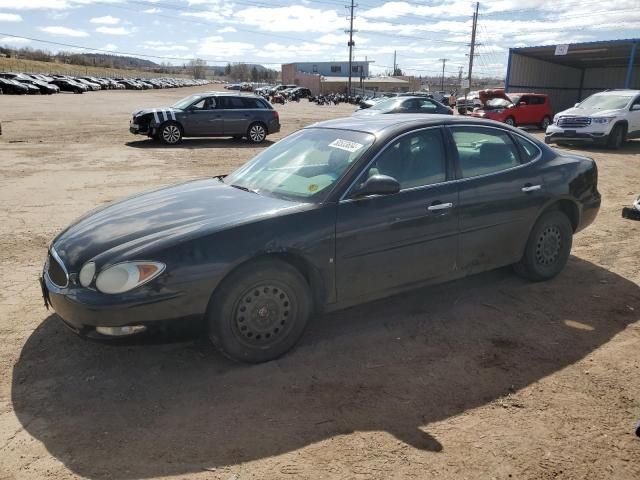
(170, 133)
(257, 132)
(548, 247)
(260, 311)
(616, 137)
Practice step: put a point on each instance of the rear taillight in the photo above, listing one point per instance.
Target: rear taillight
(277, 116)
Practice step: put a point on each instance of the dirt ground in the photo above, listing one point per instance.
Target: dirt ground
(488, 377)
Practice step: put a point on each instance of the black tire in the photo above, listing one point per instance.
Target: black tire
(548, 247)
(170, 133)
(616, 137)
(546, 121)
(510, 121)
(260, 311)
(257, 132)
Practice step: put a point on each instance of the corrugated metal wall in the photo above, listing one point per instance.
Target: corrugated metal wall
(562, 83)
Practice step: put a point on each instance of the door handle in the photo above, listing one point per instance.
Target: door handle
(439, 206)
(531, 188)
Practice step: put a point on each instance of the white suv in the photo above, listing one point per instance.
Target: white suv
(608, 118)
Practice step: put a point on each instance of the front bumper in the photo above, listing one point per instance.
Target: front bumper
(82, 309)
(555, 134)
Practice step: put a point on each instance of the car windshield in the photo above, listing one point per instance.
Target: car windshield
(498, 103)
(185, 102)
(304, 166)
(605, 102)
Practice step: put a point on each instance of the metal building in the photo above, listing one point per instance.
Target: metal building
(570, 73)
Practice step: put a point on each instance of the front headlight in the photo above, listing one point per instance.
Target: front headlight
(555, 119)
(87, 273)
(602, 120)
(126, 276)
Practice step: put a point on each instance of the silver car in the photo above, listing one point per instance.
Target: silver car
(213, 114)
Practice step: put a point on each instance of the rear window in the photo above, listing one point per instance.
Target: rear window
(528, 150)
(254, 103)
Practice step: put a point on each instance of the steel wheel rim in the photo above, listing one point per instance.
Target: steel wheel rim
(545, 123)
(263, 315)
(257, 133)
(549, 246)
(509, 122)
(171, 133)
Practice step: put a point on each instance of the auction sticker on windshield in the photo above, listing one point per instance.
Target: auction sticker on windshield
(347, 145)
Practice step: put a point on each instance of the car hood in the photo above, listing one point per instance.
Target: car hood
(158, 111)
(589, 112)
(486, 95)
(163, 217)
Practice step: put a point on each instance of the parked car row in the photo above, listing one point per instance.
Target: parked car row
(12, 83)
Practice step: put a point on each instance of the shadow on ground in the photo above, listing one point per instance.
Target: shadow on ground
(396, 365)
(197, 143)
(631, 147)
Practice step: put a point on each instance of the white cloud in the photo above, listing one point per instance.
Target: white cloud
(107, 20)
(34, 4)
(110, 47)
(216, 46)
(64, 31)
(227, 30)
(113, 30)
(152, 10)
(291, 19)
(10, 17)
(14, 41)
(160, 46)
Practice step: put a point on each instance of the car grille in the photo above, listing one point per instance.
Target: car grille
(56, 272)
(574, 122)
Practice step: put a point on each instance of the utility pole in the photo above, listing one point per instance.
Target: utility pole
(395, 64)
(473, 46)
(444, 62)
(351, 42)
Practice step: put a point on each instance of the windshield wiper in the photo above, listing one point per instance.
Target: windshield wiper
(240, 187)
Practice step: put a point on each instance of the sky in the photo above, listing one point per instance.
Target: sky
(271, 32)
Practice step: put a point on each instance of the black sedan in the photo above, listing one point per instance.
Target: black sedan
(415, 104)
(11, 87)
(339, 213)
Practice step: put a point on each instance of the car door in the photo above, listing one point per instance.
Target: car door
(524, 111)
(388, 241)
(202, 119)
(234, 114)
(634, 119)
(501, 193)
(537, 109)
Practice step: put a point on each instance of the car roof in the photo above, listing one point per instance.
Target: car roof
(381, 123)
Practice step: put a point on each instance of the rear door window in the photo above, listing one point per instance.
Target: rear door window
(482, 150)
(528, 150)
(231, 103)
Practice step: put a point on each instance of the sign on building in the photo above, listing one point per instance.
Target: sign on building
(562, 49)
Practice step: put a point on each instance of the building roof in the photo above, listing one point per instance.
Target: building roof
(370, 80)
(604, 53)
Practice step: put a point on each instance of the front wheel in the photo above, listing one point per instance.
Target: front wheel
(616, 137)
(260, 311)
(256, 133)
(547, 249)
(171, 134)
(510, 121)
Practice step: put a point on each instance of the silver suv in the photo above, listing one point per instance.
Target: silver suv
(608, 118)
(213, 114)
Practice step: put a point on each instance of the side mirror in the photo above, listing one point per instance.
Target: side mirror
(378, 185)
(522, 104)
(635, 107)
(576, 105)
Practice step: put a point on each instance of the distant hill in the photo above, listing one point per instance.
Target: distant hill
(118, 61)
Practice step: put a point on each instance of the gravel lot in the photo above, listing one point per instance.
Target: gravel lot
(489, 377)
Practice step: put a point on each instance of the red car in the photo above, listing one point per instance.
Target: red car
(515, 108)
